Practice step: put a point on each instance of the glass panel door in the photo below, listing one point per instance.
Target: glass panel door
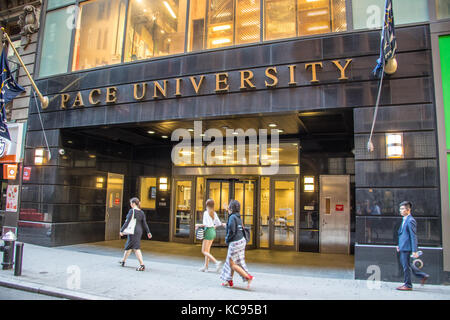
(244, 192)
(264, 218)
(183, 210)
(219, 191)
(283, 213)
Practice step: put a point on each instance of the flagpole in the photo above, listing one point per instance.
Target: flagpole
(44, 100)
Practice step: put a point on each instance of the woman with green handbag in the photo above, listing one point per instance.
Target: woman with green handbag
(210, 222)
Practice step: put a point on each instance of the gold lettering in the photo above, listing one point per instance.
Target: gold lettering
(272, 74)
(314, 70)
(78, 101)
(337, 63)
(64, 99)
(91, 96)
(162, 90)
(144, 91)
(111, 95)
(246, 77)
(195, 85)
(222, 79)
(292, 81)
(178, 88)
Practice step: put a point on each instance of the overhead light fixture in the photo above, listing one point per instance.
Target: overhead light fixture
(191, 130)
(150, 132)
(394, 145)
(318, 28)
(92, 156)
(221, 28)
(169, 8)
(280, 130)
(221, 41)
(317, 13)
(273, 125)
(163, 184)
(164, 137)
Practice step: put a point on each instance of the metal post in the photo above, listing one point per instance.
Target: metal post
(18, 260)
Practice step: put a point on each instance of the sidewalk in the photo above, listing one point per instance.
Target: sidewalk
(173, 276)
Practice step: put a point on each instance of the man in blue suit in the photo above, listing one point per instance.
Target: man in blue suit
(407, 246)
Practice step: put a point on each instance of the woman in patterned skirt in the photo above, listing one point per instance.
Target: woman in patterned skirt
(236, 248)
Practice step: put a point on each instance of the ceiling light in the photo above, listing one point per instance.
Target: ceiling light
(280, 130)
(221, 28)
(272, 125)
(190, 130)
(150, 132)
(169, 8)
(164, 137)
(221, 41)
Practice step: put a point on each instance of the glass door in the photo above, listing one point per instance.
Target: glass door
(219, 191)
(283, 213)
(183, 212)
(244, 192)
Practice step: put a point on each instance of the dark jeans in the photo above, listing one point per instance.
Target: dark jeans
(405, 260)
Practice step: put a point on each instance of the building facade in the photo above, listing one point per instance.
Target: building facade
(128, 79)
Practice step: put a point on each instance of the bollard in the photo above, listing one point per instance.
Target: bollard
(18, 260)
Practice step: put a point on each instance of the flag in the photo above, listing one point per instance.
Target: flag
(388, 45)
(9, 89)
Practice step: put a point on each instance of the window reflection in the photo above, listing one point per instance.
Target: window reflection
(321, 16)
(279, 19)
(220, 23)
(99, 36)
(248, 21)
(443, 9)
(155, 28)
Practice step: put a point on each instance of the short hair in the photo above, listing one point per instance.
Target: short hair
(210, 203)
(234, 206)
(135, 201)
(407, 204)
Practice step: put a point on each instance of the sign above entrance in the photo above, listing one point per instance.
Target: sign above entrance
(218, 83)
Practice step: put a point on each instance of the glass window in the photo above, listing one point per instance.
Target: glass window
(147, 193)
(369, 14)
(99, 36)
(321, 16)
(155, 28)
(443, 9)
(220, 23)
(279, 19)
(52, 4)
(197, 13)
(55, 44)
(248, 24)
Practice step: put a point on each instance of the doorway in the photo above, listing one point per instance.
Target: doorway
(222, 191)
(114, 196)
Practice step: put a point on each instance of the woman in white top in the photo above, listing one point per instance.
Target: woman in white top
(210, 222)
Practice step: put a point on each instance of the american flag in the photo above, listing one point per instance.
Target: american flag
(388, 46)
(9, 89)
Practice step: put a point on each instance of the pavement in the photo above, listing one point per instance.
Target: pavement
(92, 272)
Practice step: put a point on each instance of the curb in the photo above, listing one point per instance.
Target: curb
(48, 291)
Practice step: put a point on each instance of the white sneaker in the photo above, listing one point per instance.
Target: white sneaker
(203, 269)
(218, 265)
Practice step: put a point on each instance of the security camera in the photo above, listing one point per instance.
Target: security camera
(62, 152)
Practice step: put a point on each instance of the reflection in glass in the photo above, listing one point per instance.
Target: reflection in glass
(196, 36)
(99, 37)
(56, 44)
(284, 223)
(220, 23)
(155, 28)
(264, 213)
(443, 9)
(183, 209)
(52, 4)
(247, 21)
(219, 191)
(279, 19)
(321, 16)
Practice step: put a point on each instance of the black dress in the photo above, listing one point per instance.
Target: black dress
(134, 240)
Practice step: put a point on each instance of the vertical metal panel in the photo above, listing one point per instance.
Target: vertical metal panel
(113, 213)
(334, 214)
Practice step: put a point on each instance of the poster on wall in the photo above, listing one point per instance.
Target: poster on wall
(12, 196)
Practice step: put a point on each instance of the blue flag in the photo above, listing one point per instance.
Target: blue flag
(388, 41)
(9, 89)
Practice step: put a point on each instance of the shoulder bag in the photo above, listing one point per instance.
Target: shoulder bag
(131, 226)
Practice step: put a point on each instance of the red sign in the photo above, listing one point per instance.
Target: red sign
(26, 173)
(117, 201)
(339, 207)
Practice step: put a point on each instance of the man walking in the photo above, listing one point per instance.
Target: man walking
(407, 244)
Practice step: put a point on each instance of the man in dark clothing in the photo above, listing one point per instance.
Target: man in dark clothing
(407, 246)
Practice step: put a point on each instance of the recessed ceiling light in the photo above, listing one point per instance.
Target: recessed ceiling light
(272, 125)
(164, 137)
(235, 133)
(191, 130)
(280, 130)
(150, 132)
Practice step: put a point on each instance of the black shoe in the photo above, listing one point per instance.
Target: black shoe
(122, 263)
(140, 268)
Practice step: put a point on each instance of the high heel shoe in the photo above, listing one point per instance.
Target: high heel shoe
(249, 280)
(140, 268)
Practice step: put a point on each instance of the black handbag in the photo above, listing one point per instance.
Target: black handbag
(246, 231)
